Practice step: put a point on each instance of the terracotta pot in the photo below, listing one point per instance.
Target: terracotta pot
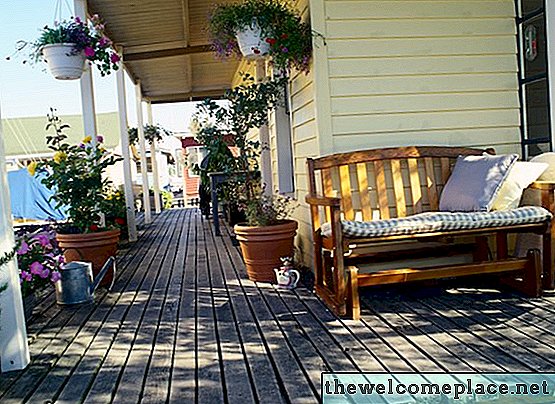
(262, 248)
(90, 247)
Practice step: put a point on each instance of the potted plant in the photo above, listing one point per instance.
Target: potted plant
(68, 44)
(267, 236)
(39, 261)
(255, 28)
(152, 133)
(76, 174)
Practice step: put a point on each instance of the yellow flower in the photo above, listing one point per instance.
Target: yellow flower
(87, 139)
(32, 168)
(59, 157)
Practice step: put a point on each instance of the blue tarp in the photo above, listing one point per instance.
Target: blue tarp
(31, 198)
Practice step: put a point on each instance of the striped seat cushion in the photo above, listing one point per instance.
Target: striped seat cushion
(430, 222)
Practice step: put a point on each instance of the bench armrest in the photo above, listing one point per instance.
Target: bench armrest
(543, 185)
(323, 201)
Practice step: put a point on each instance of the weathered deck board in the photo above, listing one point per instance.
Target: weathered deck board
(184, 324)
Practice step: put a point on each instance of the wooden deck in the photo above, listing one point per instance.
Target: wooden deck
(183, 324)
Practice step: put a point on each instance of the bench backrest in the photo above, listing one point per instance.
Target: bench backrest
(385, 183)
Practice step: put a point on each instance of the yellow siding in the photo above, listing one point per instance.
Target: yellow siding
(422, 72)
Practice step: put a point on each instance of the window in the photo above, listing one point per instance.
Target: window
(195, 154)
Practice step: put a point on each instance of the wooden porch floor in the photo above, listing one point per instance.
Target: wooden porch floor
(183, 324)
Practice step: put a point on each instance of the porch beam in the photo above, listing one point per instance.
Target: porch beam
(264, 138)
(166, 53)
(124, 140)
(550, 37)
(154, 160)
(14, 349)
(86, 83)
(185, 96)
(142, 148)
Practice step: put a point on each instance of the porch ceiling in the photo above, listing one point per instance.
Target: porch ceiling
(166, 47)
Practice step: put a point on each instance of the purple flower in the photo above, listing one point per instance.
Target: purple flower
(36, 268)
(77, 20)
(43, 240)
(26, 276)
(82, 145)
(284, 50)
(55, 276)
(89, 52)
(100, 138)
(114, 58)
(23, 248)
(103, 41)
(61, 259)
(45, 273)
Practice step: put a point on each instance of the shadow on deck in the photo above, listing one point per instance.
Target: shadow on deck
(183, 324)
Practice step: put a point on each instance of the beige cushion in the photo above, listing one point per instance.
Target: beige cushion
(549, 173)
(521, 175)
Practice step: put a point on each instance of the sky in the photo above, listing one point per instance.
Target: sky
(31, 91)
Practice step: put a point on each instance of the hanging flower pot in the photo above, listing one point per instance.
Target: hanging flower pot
(251, 43)
(63, 61)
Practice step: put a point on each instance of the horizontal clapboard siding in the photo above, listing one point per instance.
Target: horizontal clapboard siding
(422, 72)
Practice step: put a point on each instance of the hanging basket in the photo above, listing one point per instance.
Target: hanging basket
(63, 62)
(251, 44)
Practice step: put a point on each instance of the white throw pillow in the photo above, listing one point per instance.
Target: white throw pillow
(549, 158)
(520, 176)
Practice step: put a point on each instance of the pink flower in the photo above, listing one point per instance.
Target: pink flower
(55, 276)
(100, 138)
(26, 276)
(114, 58)
(36, 268)
(89, 52)
(61, 259)
(23, 248)
(78, 20)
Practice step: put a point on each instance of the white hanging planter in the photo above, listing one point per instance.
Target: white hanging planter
(63, 62)
(251, 44)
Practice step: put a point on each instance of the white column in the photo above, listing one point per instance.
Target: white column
(86, 82)
(142, 147)
(550, 37)
(14, 351)
(264, 137)
(124, 138)
(154, 157)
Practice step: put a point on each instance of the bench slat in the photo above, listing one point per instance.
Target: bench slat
(415, 186)
(345, 184)
(363, 189)
(327, 188)
(382, 189)
(445, 169)
(431, 183)
(398, 188)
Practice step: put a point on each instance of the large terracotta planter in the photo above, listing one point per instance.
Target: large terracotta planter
(63, 62)
(262, 248)
(90, 247)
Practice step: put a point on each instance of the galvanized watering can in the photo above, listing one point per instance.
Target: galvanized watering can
(77, 285)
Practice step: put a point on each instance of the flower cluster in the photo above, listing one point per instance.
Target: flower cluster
(289, 37)
(39, 261)
(86, 37)
(75, 173)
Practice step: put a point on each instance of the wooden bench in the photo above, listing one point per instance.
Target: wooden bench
(395, 183)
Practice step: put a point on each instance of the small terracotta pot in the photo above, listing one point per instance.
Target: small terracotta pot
(90, 247)
(262, 248)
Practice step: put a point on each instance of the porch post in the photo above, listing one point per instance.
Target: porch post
(550, 37)
(154, 159)
(14, 351)
(144, 165)
(124, 140)
(264, 137)
(86, 82)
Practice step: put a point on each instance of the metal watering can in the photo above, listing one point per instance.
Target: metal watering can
(77, 284)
